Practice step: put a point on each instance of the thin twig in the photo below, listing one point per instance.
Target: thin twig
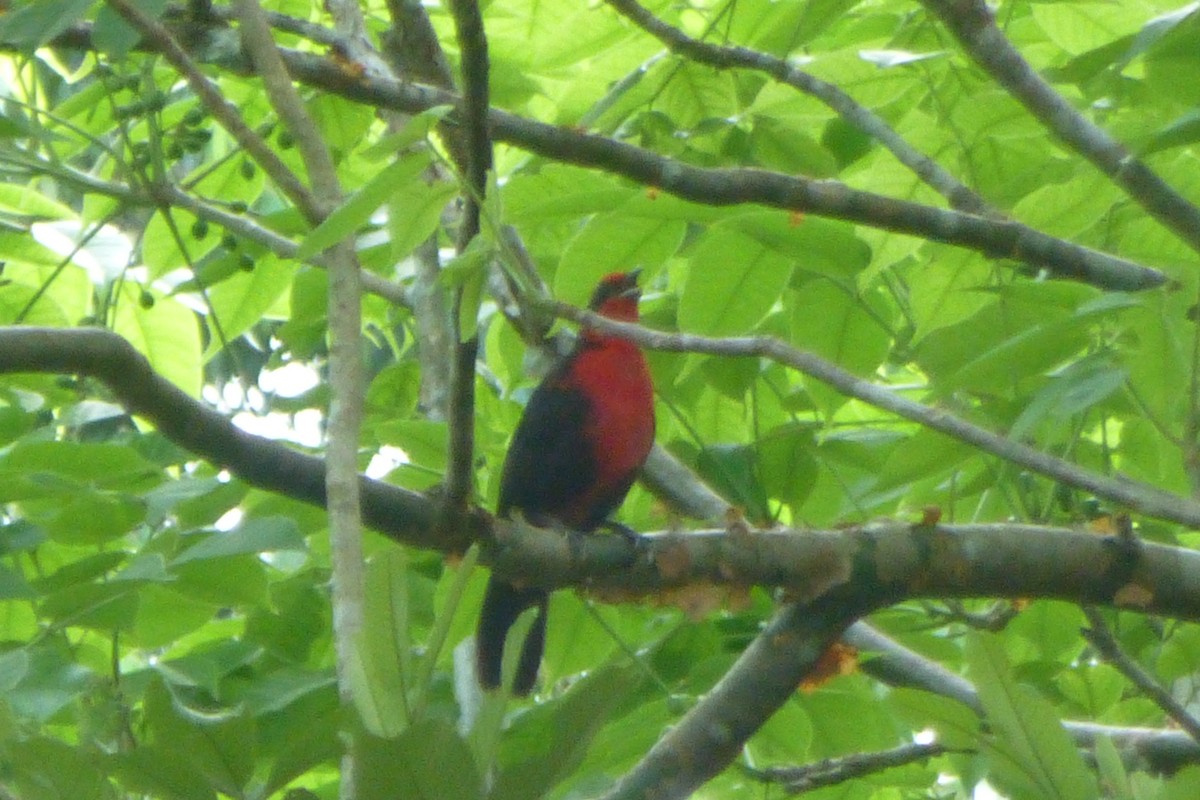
(1100, 636)
(727, 56)
(832, 771)
(246, 227)
(896, 665)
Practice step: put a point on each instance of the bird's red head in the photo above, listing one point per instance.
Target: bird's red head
(617, 296)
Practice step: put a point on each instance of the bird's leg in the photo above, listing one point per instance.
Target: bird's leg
(630, 535)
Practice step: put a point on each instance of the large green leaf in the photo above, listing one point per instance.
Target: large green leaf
(615, 242)
(357, 209)
(732, 282)
(32, 24)
(259, 535)
(428, 761)
(220, 746)
(1030, 754)
(165, 332)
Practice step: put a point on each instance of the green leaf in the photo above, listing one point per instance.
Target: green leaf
(219, 746)
(259, 535)
(381, 672)
(26, 201)
(14, 665)
(732, 283)
(789, 469)
(165, 616)
(100, 606)
(429, 761)
(13, 586)
(51, 681)
(357, 209)
(49, 768)
(159, 772)
(830, 321)
(1180, 132)
(1031, 756)
(957, 725)
(1184, 785)
(1113, 776)
(298, 745)
(103, 466)
(414, 130)
(116, 37)
(343, 124)
(33, 24)
(547, 743)
(615, 242)
(414, 214)
(733, 470)
(278, 690)
(1052, 628)
(166, 333)
(245, 298)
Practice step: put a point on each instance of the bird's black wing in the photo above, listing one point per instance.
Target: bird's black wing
(550, 463)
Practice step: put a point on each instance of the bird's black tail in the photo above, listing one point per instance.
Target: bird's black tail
(502, 604)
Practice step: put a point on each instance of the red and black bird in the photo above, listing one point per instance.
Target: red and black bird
(585, 433)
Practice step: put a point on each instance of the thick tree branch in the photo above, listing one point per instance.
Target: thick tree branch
(712, 733)
(890, 561)
(727, 56)
(1140, 497)
(973, 24)
(93, 352)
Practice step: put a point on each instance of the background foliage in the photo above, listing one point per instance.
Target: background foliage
(166, 628)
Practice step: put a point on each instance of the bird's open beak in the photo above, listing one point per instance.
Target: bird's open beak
(631, 288)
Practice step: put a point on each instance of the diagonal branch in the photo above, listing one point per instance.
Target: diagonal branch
(712, 733)
(1101, 637)
(974, 25)
(97, 353)
(1141, 497)
(896, 665)
(728, 56)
